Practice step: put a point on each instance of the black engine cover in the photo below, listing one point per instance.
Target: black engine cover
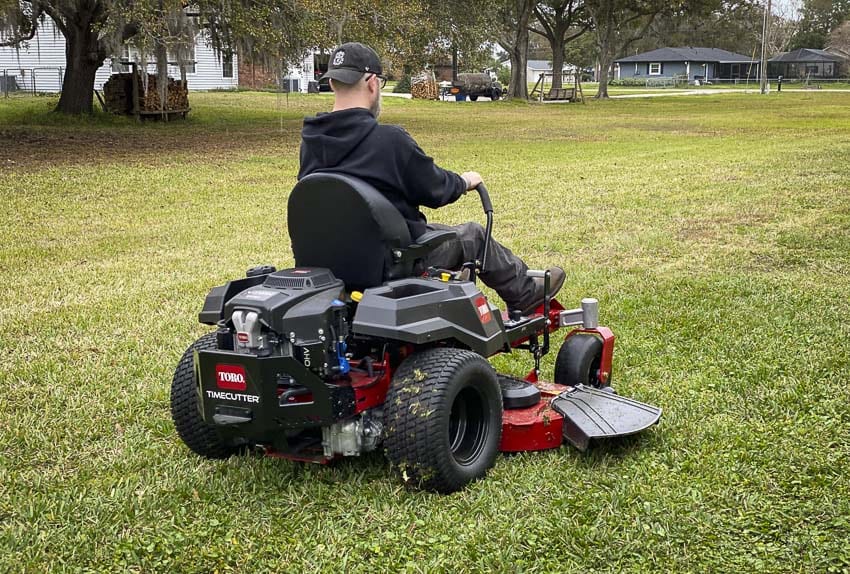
(296, 301)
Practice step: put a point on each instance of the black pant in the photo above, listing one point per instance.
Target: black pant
(504, 271)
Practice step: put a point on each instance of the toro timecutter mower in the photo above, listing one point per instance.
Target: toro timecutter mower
(358, 347)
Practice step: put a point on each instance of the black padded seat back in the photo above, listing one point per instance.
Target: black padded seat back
(348, 226)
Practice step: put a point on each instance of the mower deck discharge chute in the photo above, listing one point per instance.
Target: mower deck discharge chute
(360, 347)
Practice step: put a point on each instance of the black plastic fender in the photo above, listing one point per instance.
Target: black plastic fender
(421, 311)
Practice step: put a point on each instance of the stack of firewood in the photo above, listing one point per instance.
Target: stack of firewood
(118, 93)
(424, 87)
(177, 96)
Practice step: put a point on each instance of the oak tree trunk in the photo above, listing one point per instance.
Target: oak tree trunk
(83, 56)
(604, 68)
(514, 41)
(519, 81)
(557, 63)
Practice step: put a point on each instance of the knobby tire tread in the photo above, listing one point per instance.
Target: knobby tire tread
(200, 437)
(421, 386)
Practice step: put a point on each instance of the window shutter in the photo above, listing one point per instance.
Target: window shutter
(647, 68)
(661, 68)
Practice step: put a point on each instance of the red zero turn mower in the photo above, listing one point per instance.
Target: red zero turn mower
(358, 347)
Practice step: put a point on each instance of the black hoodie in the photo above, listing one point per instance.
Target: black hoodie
(353, 143)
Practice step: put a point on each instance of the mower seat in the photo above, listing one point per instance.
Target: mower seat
(346, 225)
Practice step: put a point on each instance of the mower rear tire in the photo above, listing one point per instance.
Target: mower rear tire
(443, 419)
(201, 437)
(579, 361)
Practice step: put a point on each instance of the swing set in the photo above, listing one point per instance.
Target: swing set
(565, 94)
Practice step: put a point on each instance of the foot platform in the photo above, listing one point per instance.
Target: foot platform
(593, 414)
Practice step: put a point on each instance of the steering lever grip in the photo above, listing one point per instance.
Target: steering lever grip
(485, 198)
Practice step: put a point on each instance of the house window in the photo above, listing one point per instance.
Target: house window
(227, 65)
(655, 69)
(827, 69)
(188, 58)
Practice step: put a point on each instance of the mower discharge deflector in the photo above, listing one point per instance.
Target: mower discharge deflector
(593, 414)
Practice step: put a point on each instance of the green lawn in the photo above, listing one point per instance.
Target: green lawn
(715, 232)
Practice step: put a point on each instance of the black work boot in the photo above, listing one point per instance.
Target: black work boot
(556, 281)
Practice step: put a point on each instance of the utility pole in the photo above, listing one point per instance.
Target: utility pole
(763, 65)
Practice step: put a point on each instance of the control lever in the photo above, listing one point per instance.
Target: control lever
(488, 211)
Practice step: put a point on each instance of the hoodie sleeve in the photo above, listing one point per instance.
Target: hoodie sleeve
(303, 162)
(424, 182)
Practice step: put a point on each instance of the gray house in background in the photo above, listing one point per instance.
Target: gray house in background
(703, 64)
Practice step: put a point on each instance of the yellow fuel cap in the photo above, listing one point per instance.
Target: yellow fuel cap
(356, 296)
(444, 277)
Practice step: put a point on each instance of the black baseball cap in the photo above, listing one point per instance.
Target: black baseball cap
(350, 61)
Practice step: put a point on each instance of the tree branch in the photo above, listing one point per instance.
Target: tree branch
(541, 18)
(30, 34)
(637, 36)
(55, 16)
(572, 37)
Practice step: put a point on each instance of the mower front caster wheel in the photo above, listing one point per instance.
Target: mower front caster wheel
(443, 419)
(200, 437)
(579, 361)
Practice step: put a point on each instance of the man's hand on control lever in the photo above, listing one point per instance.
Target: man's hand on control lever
(472, 179)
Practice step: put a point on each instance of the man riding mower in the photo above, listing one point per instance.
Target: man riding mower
(357, 347)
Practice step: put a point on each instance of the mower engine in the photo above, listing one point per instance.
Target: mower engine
(296, 313)
(280, 367)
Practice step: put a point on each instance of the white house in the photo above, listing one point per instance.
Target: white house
(536, 67)
(40, 64)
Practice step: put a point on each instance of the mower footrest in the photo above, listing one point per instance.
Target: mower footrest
(592, 413)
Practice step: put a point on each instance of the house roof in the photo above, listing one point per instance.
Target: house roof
(539, 65)
(806, 55)
(688, 55)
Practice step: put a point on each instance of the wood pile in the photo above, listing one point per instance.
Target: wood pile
(424, 87)
(177, 96)
(118, 93)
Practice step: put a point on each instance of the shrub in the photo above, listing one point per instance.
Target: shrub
(628, 82)
(403, 85)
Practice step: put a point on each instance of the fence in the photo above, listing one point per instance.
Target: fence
(755, 81)
(31, 80)
(666, 82)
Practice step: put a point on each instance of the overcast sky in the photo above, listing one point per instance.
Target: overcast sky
(786, 7)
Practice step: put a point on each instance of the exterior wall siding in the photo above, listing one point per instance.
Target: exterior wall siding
(41, 61)
(303, 72)
(44, 58)
(668, 70)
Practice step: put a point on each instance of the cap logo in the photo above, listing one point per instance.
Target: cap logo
(339, 58)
